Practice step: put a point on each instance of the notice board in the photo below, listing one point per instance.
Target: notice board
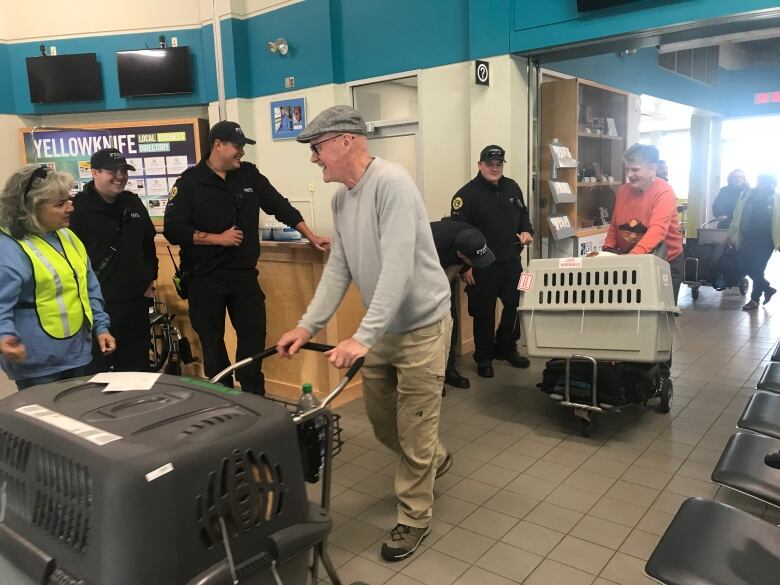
(159, 150)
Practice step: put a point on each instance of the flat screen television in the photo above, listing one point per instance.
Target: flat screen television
(585, 5)
(147, 72)
(64, 78)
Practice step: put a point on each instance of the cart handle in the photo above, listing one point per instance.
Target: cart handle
(706, 223)
(320, 347)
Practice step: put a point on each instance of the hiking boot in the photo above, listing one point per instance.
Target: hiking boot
(453, 378)
(485, 369)
(768, 294)
(403, 541)
(514, 358)
(751, 305)
(444, 466)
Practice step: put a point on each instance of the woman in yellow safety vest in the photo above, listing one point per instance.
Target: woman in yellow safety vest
(50, 300)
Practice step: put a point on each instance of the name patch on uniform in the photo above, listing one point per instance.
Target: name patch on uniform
(457, 203)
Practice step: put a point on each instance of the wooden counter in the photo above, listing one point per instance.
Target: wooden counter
(289, 273)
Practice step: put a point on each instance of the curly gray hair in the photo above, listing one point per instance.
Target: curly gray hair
(19, 210)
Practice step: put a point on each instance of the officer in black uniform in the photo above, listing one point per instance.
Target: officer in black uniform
(494, 204)
(213, 214)
(119, 237)
(458, 245)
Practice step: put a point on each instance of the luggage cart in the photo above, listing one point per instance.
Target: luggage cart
(615, 312)
(705, 253)
(332, 445)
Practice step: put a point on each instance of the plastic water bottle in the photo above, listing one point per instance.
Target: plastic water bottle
(312, 435)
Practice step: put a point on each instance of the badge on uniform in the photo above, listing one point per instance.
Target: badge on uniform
(173, 191)
(457, 203)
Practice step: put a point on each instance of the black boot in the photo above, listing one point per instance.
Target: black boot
(485, 369)
(454, 379)
(514, 358)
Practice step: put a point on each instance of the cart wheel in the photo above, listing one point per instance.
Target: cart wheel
(586, 427)
(666, 392)
(743, 287)
(695, 293)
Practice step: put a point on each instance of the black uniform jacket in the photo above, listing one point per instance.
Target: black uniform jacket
(202, 201)
(97, 223)
(499, 211)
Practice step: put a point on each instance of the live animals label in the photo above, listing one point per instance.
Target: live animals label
(570, 263)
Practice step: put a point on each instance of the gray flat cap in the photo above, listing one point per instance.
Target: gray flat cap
(342, 119)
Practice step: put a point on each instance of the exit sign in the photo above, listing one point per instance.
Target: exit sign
(767, 97)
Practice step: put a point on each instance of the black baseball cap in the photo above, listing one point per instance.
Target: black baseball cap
(109, 159)
(472, 244)
(227, 131)
(492, 152)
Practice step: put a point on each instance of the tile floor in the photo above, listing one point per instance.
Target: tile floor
(528, 500)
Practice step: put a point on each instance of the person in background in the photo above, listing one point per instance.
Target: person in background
(645, 213)
(728, 197)
(213, 214)
(662, 172)
(50, 301)
(118, 234)
(755, 232)
(494, 204)
(458, 244)
(383, 242)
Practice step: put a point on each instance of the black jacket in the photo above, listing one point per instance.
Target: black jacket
(96, 223)
(202, 201)
(499, 211)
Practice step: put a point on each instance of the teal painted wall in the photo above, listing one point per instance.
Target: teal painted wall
(202, 63)
(556, 22)
(733, 95)
(346, 40)
(6, 95)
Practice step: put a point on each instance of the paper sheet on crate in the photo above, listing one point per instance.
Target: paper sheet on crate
(526, 281)
(124, 381)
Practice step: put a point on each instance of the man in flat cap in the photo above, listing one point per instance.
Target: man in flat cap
(213, 214)
(494, 204)
(119, 237)
(383, 242)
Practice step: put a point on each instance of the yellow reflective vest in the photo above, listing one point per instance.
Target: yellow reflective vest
(61, 293)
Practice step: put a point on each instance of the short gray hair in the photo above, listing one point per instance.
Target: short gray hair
(642, 153)
(19, 212)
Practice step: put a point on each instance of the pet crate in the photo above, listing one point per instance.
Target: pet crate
(607, 307)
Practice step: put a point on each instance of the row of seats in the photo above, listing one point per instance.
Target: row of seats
(710, 543)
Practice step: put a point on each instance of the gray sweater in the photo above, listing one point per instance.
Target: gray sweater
(383, 242)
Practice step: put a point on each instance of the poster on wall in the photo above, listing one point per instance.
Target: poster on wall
(159, 151)
(288, 118)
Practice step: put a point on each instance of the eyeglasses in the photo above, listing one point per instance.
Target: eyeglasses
(39, 173)
(315, 146)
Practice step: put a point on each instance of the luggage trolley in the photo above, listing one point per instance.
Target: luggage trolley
(309, 444)
(609, 317)
(708, 262)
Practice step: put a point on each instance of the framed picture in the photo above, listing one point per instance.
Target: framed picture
(288, 118)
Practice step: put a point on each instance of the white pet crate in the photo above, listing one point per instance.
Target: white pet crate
(607, 307)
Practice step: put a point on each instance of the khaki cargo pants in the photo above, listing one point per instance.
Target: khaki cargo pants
(403, 376)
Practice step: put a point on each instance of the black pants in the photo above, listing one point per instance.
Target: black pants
(239, 293)
(130, 328)
(497, 281)
(676, 267)
(454, 290)
(753, 259)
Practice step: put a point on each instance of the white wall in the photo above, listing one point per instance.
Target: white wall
(46, 19)
(10, 147)
(444, 114)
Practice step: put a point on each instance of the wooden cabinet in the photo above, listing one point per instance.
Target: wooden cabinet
(591, 121)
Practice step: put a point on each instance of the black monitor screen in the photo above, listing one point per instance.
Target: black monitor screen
(64, 78)
(585, 5)
(154, 71)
